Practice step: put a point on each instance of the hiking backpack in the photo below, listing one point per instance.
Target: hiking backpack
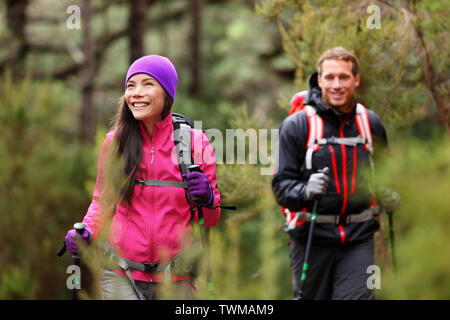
(315, 140)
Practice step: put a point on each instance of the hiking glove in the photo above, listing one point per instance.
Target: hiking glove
(317, 185)
(73, 237)
(199, 187)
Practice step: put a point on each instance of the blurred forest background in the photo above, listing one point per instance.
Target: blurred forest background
(62, 69)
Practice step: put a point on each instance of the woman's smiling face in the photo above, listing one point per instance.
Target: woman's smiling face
(145, 98)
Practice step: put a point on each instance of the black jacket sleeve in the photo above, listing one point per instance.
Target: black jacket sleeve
(289, 181)
(379, 136)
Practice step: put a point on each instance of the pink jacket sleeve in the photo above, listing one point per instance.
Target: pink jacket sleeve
(94, 216)
(203, 155)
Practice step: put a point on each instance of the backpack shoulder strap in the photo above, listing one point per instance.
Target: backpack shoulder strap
(182, 127)
(315, 133)
(362, 121)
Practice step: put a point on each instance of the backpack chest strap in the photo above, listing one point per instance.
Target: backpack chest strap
(158, 183)
(316, 128)
(351, 142)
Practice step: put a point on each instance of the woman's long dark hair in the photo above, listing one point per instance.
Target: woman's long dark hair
(128, 147)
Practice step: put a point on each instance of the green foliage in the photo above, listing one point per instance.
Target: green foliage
(46, 179)
(420, 172)
(391, 76)
(42, 178)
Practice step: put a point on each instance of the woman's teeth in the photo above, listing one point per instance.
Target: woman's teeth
(140, 105)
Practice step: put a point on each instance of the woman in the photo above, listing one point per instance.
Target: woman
(151, 224)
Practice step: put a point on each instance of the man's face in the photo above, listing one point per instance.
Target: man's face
(338, 84)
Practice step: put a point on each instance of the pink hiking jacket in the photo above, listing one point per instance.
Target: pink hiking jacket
(157, 224)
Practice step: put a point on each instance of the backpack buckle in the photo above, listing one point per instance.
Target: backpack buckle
(150, 267)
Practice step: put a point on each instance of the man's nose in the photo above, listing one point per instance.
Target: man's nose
(336, 83)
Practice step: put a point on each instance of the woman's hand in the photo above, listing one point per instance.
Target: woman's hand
(199, 187)
(73, 238)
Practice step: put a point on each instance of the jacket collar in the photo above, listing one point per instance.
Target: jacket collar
(161, 135)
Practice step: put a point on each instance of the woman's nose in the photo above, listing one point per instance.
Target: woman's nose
(137, 90)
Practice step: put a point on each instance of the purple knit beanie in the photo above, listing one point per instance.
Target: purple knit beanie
(158, 67)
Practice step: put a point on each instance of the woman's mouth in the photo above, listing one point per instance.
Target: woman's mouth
(140, 105)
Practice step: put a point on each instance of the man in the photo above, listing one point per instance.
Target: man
(342, 240)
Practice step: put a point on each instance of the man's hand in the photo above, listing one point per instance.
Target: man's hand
(317, 184)
(388, 199)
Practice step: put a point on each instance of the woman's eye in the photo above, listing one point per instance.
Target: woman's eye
(130, 85)
(149, 83)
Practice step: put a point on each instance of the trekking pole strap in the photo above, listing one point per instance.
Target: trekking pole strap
(62, 251)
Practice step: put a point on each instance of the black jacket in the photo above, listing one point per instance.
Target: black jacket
(348, 191)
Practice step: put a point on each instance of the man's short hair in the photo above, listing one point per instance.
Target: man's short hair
(339, 53)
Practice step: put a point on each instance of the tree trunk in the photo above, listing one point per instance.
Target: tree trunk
(427, 67)
(136, 28)
(16, 20)
(88, 113)
(196, 84)
(430, 76)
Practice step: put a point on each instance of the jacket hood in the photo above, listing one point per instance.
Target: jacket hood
(314, 97)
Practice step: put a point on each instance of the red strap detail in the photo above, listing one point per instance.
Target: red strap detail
(374, 203)
(369, 134)
(335, 173)
(309, 128)
(362, 127)
(354, 169)
(297, 102)
(342, 233)
(361, 132)
(344, 166)
(344, 178)
(292, 216)
(193, 287)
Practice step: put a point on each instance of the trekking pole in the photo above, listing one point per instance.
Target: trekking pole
(79, 227)
(392, 237)
(204, 235)
(299, 294)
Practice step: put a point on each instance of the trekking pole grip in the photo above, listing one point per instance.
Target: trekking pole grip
(195, 168)
(79, 227)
